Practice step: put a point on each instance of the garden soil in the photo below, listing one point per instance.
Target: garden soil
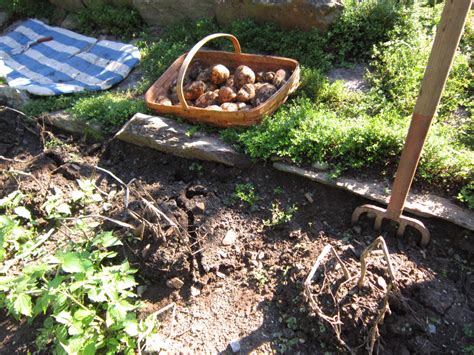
(247, 293)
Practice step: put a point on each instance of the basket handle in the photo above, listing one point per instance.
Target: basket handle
(189, 58)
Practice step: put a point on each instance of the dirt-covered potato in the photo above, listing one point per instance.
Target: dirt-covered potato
(219, 74)
(229, 106)
(214, 107)
(263, 93)
(204, 75)
(230, 81)
(163, 100)
(243, 75)
(172, 88)
(259, 76)
(243, 106)
(246, 93)
(194, 90)
(226, 94)
(195, 69)
(211, 86)
(279, 78)
(174, 98)
(208, 99)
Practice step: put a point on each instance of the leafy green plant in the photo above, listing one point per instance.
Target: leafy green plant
(16, 226)
(245, 193)
(466, 195)
(279, 215)
(102, 18)
(83, 293)
(27, 8)
(108, 109)
(89, 305)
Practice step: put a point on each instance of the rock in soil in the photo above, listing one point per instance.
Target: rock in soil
(235, 346)
(175, 283)
(230, 237)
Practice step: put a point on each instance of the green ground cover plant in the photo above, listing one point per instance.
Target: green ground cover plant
(27, 8)
(99, 17)
(325, 122)
(81, 290)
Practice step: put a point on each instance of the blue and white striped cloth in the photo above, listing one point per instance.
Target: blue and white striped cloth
(70, 62)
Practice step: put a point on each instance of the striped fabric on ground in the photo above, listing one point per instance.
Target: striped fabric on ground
(68, 63)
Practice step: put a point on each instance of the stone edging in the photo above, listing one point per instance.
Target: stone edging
(420, 205)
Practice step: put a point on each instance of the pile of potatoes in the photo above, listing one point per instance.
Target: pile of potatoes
(217, 88)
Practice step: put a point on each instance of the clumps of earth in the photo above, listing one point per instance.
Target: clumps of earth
(219, 88)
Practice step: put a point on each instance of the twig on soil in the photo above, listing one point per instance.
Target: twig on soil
(116, 221)
(13, 160)
(111, 174)
(367, 301)
(377, 243)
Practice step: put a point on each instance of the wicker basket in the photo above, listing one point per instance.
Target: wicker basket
(231, 60)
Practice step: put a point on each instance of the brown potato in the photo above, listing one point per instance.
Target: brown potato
(211, 86)
(230, 106)
(219, 74)
(163, 100)
(230, 81)
(226, 94)
(263, 93)
(246, 93)
(243, 75)
(208, 99)
(279, 78)
(194, 90)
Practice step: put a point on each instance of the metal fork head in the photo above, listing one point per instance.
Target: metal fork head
(403, 221)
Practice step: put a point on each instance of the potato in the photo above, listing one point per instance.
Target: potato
(226, 94)
(172, 88)
(219, 74)
(279, 78)
(194, 90)
(203, 75)
(230, 81)
(230, 106)
(195, 69)
(263, 93)
(174, 98)
(214, 107)
(208, 99)
(163, 100)
(243, 106)
(259, 76)
(243, 75)
(211, 86)
(246, 93)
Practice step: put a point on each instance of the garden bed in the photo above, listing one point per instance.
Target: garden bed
(250, 290)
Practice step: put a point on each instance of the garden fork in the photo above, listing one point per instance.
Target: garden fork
(447, 38)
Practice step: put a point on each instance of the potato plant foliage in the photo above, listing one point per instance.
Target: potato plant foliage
(81, 290)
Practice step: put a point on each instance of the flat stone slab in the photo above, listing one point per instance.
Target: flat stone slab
(420, 205)
(170, 136)
(63, 120)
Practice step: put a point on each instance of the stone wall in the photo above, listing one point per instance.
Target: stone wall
(302, 14)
